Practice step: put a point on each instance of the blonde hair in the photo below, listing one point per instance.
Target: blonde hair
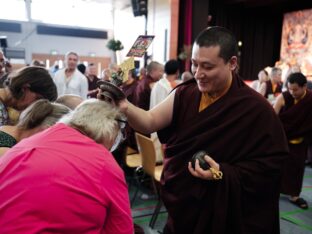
(41, 113)
(96, 119)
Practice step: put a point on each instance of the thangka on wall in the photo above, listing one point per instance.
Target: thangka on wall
(140, 46)
(296, 44)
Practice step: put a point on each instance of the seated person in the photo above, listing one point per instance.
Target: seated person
(65, 180)
(35, 118)
(23, 87)
(273, 86)
(263, 77)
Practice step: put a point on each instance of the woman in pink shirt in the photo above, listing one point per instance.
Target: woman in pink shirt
(65, 180)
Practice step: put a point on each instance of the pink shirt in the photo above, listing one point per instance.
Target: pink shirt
(61, 181)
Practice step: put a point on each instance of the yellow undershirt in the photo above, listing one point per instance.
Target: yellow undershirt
(274, 86)
(206, 100)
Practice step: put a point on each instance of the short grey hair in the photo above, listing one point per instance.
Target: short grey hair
(275, 71)
(96, 119)
(153, 66)
(71, 52)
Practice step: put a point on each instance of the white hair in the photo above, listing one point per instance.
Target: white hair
(71, 52)
(96, 119)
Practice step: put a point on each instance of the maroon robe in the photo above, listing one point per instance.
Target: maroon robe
(129, 91)
(297, 121)
(269, 89)
(92, 85)
(141, 97)
(242, 133)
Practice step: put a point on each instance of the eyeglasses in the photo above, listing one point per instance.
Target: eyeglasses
(122, 123)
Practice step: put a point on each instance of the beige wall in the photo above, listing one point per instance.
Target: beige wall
(158, 23)
(163, 15)
(100, 62)
(43, 44)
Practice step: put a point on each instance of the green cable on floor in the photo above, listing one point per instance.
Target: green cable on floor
(306, 189)
(286, 216)
(298, 222)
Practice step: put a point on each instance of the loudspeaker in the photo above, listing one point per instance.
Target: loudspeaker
(139, 7)
(3, 42)
(136, 64)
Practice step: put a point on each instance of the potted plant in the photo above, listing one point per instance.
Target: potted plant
(115, 45)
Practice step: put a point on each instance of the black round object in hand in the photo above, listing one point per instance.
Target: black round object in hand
(110, 91)
(202, 163)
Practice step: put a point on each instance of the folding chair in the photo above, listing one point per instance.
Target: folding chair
(147, 150)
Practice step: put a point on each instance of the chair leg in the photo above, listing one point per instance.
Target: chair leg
(135, 194)
(155, 214)
(157, 208)
(138, 175)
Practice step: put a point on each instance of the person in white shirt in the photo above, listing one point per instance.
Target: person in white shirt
(69, 80)
(159, 92)
(163, 87)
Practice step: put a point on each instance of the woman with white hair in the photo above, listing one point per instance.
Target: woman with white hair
(70, 181)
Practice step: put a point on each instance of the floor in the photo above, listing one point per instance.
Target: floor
(293, 220)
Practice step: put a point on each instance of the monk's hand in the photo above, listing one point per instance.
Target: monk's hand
(123, 105)
(106, 99)
(204, 174)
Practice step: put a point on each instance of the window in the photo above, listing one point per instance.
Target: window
(13, 10)
(79, 13)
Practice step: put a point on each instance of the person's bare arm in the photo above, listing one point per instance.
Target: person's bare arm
(279, 103)
(149, 121)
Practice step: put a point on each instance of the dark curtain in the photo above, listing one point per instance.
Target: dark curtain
(258, 24)
(259, 29)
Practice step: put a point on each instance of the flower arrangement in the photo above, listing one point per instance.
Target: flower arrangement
(114, 45)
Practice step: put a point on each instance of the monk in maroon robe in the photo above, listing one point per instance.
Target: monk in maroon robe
(242, 136)
(129, 88)
(141, 97)
(295, 111)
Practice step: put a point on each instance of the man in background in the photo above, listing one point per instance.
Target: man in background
(69, 80)
(92, 80)
(163, 87)
(160, 91)
(142, 93)
(3, 74)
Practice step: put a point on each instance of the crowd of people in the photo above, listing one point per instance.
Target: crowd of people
(60, 173)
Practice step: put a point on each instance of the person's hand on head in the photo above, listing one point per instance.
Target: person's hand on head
(110, 93)
(106, 98)
(123, 105)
